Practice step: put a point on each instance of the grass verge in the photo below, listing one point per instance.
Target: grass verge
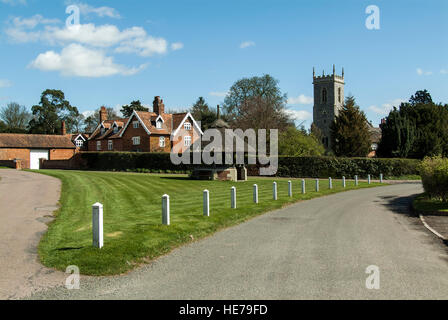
(133, 233)
(423, 204)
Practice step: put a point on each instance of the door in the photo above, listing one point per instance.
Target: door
(35, 155)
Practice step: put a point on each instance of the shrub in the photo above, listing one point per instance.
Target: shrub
(434, 172)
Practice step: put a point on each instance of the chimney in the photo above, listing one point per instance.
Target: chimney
(103, 114)
(63, 129)
(158, 106)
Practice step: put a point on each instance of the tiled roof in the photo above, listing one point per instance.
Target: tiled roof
(10, 140)
(109, 132)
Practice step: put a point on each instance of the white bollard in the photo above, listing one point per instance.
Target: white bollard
(317, 185)
(369, 180)
(274, 190)
(303, 186)
(289, 188)
(344, 184)
(356, 181)
(330, 183)
(233, 198)
(206, 208)
(381, 178)
(97, 225)
(166, 209)
(255, 193)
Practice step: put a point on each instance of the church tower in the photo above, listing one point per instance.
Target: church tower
(328, 100)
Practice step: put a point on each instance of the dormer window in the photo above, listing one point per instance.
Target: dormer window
(79, 143)
(135, 124)
(159, 124)
(115, 129)
(103, 130)
(187, 126)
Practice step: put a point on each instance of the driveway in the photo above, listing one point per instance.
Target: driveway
(317, 249)
(27, 201)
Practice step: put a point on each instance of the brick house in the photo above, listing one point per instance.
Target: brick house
(155, 131)
(25, 150)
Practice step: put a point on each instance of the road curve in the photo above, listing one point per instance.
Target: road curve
(317, 249)
(27, 201)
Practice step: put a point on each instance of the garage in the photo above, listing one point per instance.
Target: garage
(35, 155)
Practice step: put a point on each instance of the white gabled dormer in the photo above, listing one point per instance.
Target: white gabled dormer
(132, 119)
(159, 122)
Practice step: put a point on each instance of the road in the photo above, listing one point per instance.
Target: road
(317, 249)
(27, 201)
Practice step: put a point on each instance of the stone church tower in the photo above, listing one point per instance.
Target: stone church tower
(328, 100)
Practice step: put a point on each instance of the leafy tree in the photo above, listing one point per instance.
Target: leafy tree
(202, 112)
(349, 131)
(297, 142)
(257, 103)
(90, 123)
(2, 126)
(421, 97)
(51, 111)
(127, 110)
(15, 117)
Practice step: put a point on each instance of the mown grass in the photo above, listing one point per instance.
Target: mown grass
(133, 233)
(423, 203)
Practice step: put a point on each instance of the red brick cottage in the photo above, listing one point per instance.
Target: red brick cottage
(155, 131)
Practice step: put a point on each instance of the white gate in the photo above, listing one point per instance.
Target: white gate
(35, 155)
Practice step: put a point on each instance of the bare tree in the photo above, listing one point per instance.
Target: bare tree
(15, 116)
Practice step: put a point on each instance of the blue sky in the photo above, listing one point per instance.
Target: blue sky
(180, 50)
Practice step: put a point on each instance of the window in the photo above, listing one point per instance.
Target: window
(339, 95)
(136, 124)
(79, 143)
(110, 145)
(98, 145)
(136, 141)
(115, 129)
(324, 95)
(187, 141)
(187, 126)
(159, 124)
(162, 142)
(103, 130)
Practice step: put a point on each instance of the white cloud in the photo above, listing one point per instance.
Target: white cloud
(421, 72)
(444, 71)
(4, 83)
(177, 46)
(14, 2)
(385, 108)
(100, 11)
(77, 60)
(218, 94)
(301, 99)
(299, 114)
(247, 44)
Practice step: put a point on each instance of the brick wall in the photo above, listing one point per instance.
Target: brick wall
(126, 140)
(61, 154)
(11, 154)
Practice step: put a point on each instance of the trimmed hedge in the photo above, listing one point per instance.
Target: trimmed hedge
(316, 167)
(434, 172)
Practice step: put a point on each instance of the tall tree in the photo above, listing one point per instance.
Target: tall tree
(51, 111)
(136, 105)
(421, 97)
(257, 103)
(15, 117)
(202, 112)
(350, 132)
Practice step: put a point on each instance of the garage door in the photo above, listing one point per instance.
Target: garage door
(35, 155)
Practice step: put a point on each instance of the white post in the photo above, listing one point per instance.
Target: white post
(343, 182)
(330, 183)
(274, 190)
(97, 225)
(369, 179)
(206, 207)
(289, 188)
(317, 185)
(233, 198)
(303, 186)
(356, 180)
(381, 178)
(255, 193)
(166, 209)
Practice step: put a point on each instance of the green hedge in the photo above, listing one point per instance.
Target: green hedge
(317, 167)
(434, 172)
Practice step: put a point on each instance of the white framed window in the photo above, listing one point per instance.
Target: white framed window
(159, 124)
(115, 129)
(187, 141)
(110, 145)
(136, 124)
(98, 145)
(79, 143)
(103, 130)
(162, 142)
(136, 141)
(187, 126)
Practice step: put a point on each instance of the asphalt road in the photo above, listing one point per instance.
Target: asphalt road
(27, 201)
(317, 249)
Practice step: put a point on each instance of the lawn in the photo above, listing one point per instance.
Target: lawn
(423, 204)
(133, 233)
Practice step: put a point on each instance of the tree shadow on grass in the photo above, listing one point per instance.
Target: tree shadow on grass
(178, 178)
(69, 248)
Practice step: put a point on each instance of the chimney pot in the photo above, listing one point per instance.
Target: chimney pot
(103, 114)
(63, 129)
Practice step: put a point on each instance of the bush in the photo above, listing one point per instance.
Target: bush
(434, 172)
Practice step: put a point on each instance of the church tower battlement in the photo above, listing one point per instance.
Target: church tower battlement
(328, 100)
